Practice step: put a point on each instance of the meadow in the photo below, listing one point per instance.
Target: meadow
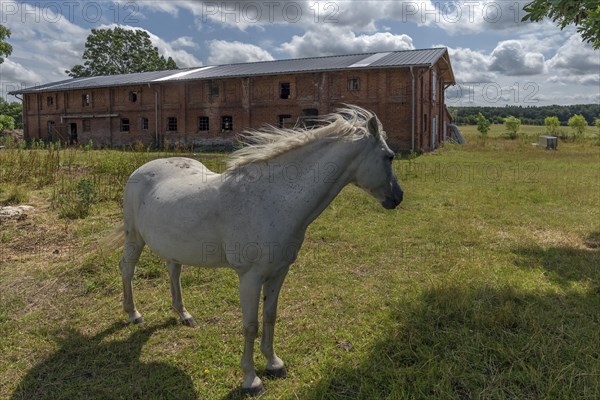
(484, 283)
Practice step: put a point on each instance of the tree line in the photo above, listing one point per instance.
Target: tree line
(530, 115)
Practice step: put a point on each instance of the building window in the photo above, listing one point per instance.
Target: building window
(284, 90)
(49, 101)
(86, 99)
(124, 124)
(50, 128)
(226, 123)
(425, 122)
(309, 117)
(144, 123)
(213, 89)
(87, 125)
(172, 124)
(203, 123)
(353, 84)
(283, 120)
(133, 97)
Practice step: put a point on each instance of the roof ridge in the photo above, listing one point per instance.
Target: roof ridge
(392, 58)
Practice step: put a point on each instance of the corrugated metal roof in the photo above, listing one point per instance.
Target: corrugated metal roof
(404, 58)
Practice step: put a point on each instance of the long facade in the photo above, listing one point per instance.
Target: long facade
(177, 109)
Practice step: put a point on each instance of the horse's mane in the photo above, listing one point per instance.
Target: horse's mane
(349, 123)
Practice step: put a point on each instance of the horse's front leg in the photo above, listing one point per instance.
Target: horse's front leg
(250, 285)
(271, 288)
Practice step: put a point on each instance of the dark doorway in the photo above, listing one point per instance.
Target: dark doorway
(73, 133)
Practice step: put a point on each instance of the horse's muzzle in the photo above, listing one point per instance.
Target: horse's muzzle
(396, 197)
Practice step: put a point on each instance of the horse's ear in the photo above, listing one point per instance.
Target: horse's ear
(373, 126)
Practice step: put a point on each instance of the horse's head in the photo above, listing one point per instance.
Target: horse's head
(374, 172)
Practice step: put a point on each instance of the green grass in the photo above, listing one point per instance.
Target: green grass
(485, 283)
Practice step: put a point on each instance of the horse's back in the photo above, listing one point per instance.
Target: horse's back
(164, 180)
(169, 168)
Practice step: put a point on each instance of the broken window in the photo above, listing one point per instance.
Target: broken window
(227, 123)
(144, 123)
(87, 125)
(124, 124)
(213, 89)
(308, 118)
(133, 97)
(203, 123)
(353, 84)
(172, 124)
(284, 90)
(49, 101)
(86, 99)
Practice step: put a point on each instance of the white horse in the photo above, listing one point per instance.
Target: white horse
(253, 217)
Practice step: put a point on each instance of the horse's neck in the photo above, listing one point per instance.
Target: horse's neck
(313, 175)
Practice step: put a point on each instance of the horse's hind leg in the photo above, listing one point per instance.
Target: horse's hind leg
(175, 275)
(133, 247)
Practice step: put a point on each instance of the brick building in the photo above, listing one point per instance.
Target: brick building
(210, 105)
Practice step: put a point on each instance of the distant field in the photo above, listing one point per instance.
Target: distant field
(483, 284)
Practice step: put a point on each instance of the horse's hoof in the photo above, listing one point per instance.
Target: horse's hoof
(138, 320)
(277, 373)
(254, 391)
(191, 322)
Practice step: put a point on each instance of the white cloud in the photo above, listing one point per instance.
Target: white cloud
(333, 40)
(510, 58)
(224, 52)
(15, 76)
(468, 17)
(43, 48)
(576, 57)
(470, 65)
(184, 41)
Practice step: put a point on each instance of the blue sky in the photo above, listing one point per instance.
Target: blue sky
(497, 59)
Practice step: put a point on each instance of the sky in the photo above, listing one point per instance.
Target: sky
(497, 59)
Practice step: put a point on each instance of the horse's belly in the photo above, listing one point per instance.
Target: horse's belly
(206, 253)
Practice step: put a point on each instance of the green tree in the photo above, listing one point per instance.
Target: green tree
(552, 124)
(597, 123)
(119, 51)
(585, 14)
(14, 109)
(5, 48)
(6, 122)
(578, 123)
(483, 126)
(512, 125)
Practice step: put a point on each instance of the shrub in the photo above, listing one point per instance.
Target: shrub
(483, 126)
(78, 206)
(552, 124)
(6, 122)
(578, 124)
(513, 125)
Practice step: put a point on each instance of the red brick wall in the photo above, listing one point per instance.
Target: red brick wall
(251, 102)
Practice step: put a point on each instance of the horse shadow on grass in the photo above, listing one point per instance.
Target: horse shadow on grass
(564, 265)
(478, 341)
(95, 368)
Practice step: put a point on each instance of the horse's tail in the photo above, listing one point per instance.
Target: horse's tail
(113, 240)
